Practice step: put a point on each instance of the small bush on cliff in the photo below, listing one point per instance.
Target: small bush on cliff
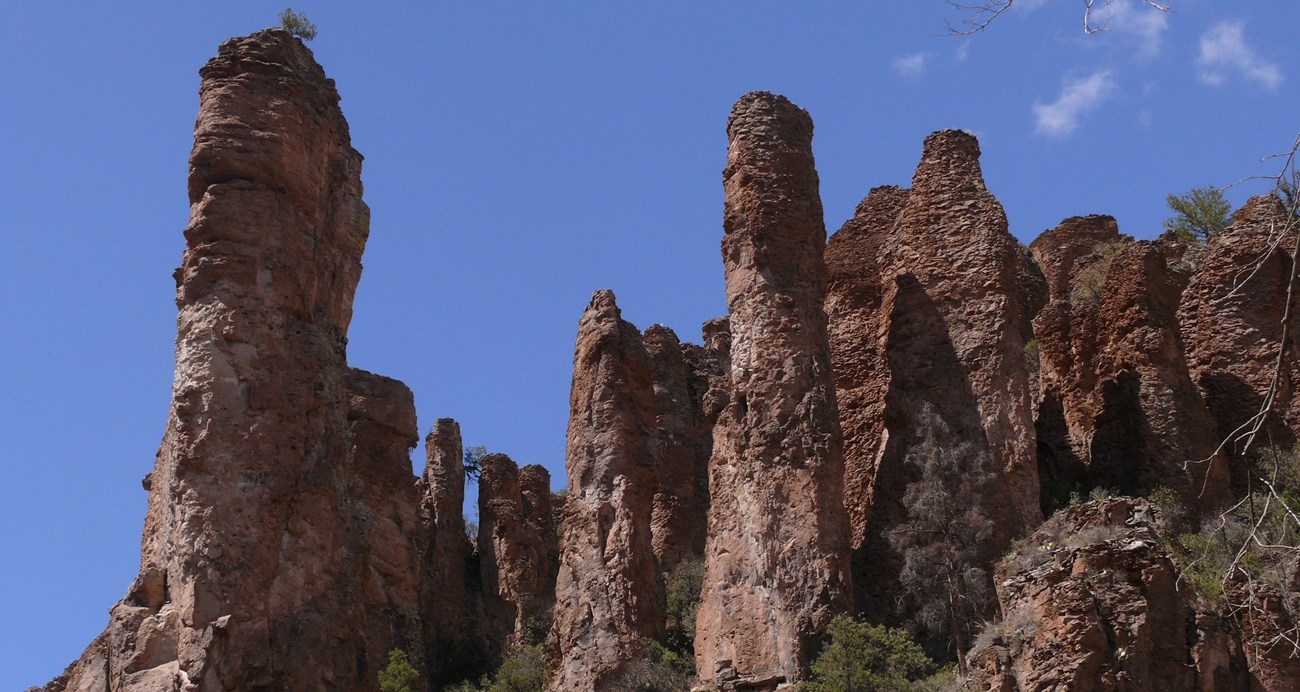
(860, 656)
(684, 586)
(473, 462)
(1198, 214)
(657, 669)
(524, 670)
(298, 24)
(399, 675)
(1087, 285)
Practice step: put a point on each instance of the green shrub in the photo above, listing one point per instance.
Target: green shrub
(1198, 214)
(524, 670)
(1087, 285)
(658, 669)
(1031, 356)
(399, 675)
(860, 656)
(298, 24)
(684, 586)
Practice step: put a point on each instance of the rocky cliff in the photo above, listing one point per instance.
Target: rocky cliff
(919, 374)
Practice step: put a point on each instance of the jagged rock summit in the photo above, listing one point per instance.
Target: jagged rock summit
(921, 366)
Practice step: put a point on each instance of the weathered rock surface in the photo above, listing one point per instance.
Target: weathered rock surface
(381, 415)
(684, 441)
(1231, 319)
(777, 550)
(256, 541)
(515, 543)
(1090, 602)
(451, 616)
(1118, 408)
(608, 594)
(930, 304)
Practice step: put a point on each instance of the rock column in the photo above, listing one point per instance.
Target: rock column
(777, 549)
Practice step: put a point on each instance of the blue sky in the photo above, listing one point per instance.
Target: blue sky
(518, 157)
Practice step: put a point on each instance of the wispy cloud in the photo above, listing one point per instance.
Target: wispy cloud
(1144, 23)
(1224, 51)
(911, 65)
(1078, 96)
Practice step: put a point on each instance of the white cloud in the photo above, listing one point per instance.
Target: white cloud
(1078, 96)
(1224, 50)
(1139, 20)
(911, 65)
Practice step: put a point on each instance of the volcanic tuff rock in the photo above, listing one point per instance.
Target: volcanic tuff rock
(450, 617)
(1231, 317)
(777, 549)
(608, 594)
(1089, 602)
(516, 547)
(1118, 408)
(930, 302)
(256, 541)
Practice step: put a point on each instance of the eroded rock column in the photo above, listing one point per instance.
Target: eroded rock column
(608, 595)
(777, 550)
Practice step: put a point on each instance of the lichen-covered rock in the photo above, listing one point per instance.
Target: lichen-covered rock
(255, 542)
(777, 549)
(608, 593)
(1231, 320)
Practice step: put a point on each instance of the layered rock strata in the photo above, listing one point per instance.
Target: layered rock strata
(777, 549)
(256, 539)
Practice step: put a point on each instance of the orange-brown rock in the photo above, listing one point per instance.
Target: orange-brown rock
(1089, 602)
(381, 414)
(1231, 319)
(777, 551)
(515, 542)
(930, 302)
(608, 594)
(684, 442)
(255, 546)
(1118, 408)
(451, 616)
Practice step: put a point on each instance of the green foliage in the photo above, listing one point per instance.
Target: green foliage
(684, 586)
(1198, 214)
(1098, 493)
(1032, 357)
(860, 656)
(1088, 283)
(298, 24)
(1253, 540)
(524, 670)
(399, 675)
(473, 461)
(658, 669)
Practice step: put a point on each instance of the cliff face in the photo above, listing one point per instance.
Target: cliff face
(777, 550)
(257, 536)
(287, 544)
(930, 303)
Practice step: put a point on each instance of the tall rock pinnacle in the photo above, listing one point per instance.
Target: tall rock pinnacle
(256, 541)
(607, 596)
(777, 549)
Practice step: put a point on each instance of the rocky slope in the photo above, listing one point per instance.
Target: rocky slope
(288, 544)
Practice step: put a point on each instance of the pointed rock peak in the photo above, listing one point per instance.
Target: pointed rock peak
(1260, 209)
(762, 115)
(889, 197)
(604, 305)
(949, 158)
(660, 335)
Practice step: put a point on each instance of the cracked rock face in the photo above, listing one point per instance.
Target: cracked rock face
(258, 535)
(1231, 320)
(777, 548)
(608, 593)
(930, 302)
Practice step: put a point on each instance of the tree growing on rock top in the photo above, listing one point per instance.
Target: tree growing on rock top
(298, 24)
(1198, 214)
